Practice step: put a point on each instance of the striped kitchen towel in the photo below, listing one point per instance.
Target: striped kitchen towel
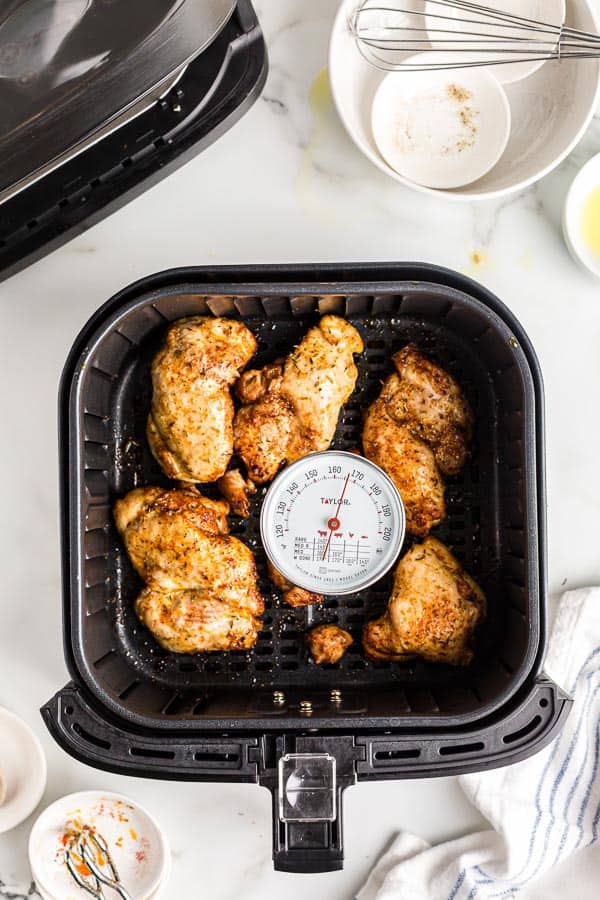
(541, 810)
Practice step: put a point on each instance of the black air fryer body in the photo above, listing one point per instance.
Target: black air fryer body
(215, 89)
(271, 715)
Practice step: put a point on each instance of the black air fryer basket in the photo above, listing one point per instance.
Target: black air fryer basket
(271, 715)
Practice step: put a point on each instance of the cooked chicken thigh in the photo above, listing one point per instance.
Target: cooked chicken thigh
(195, 622)
(433, 612)
(328, 643)
(293, 595)
(190, 427)
(179, 539)
(202, 585)
(409, 462)
(431, 404)
(292, 406)
(420, 426)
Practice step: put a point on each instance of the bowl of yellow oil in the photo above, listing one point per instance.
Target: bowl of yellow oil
(581, 217)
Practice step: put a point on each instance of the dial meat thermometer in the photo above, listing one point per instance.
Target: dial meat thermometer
(332, 523)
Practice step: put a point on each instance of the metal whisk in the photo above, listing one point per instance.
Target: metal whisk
(465, 34)
(88, 859)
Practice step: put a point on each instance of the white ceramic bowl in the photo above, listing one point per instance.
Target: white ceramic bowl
(138, 845)
(441, 129)
(585, 182)
(23, 766)
(550, 110)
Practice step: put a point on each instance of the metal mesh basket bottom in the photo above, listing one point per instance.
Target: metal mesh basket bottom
(489, 514)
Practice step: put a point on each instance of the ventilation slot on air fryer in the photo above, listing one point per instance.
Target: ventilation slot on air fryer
(522, 732)
(90, 738)
(458, 749)
(151, 754)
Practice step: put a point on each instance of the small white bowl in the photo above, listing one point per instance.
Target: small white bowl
(23, 766)
(552, 12)
(551, 110)
(584, 184)
(441, 129)
(137, 843)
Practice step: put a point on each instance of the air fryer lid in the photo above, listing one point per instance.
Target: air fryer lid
(68, 67)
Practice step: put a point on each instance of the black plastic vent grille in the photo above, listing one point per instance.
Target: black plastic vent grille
(87, 735)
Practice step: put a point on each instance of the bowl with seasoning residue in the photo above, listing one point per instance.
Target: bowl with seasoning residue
(550, 110)
(441, 129)
(136, 842)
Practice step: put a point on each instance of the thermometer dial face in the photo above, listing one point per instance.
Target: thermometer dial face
(332, 523)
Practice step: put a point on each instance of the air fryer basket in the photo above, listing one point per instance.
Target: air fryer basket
(389, 719)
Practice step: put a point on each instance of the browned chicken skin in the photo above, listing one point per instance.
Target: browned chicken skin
(190, 427)
(433, 611)
(431, 404)
(254, 383)
(328, 643)
(408, 461)
(419, 426)
(293, 595)
(202, 585)
(292, 406)
(194, 622)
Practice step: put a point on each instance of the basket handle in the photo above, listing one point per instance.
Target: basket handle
(307, 814)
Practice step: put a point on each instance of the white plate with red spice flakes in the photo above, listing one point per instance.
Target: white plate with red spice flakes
(136, 843)
(441, 129)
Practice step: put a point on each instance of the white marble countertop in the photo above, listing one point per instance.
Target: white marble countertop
(284, 185)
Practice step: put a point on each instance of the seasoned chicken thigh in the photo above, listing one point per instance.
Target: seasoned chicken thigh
(190, 427)
(202, 585)
(195, 622)
(431, 404)
(179, 539)
(433, 612)
(292, 406)
(419, 427)
(409, 462)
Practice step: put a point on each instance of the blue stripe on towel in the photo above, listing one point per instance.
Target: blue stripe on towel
(595, 824)
(458, 885)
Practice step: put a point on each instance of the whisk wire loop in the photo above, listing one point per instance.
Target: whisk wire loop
(91, 865)
(467, 34)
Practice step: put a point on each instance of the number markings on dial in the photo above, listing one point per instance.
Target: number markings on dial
(335, 523)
